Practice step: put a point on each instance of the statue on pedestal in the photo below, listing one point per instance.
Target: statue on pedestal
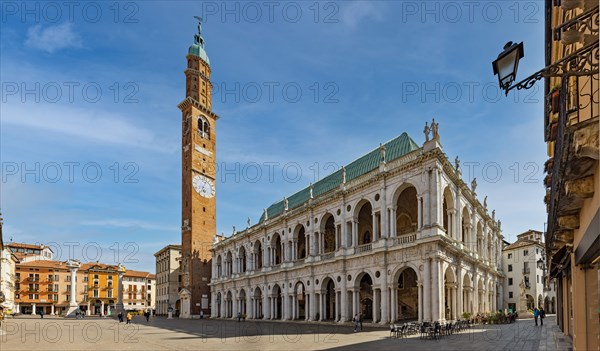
(474, 184)
(343, 174)
(285, 204)
(426, 132)
(310, 189)
(434, 130)
(457, 164)
(382, 153)
(266, 214)
(485, 203)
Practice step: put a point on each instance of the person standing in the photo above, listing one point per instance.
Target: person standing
(129, 316)
(42, 313)
(355, 320)
(120, 316)
(147, 314)
(542, 315)
(536, 314)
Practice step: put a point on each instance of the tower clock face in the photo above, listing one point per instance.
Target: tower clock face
(203, 186)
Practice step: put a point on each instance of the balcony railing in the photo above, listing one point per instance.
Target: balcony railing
(405, 239)
(526, 271)
(33, 279)
(363, 248)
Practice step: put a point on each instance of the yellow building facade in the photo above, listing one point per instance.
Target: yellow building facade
(571, 119)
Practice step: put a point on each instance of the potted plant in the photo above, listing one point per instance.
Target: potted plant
(555, 98)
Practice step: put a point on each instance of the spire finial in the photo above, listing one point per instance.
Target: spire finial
(198, 37)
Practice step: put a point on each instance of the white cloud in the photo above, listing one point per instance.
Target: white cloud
(53, 38)
(87, 124)
(130, 223)
(355, 12)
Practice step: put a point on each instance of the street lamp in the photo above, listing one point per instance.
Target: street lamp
(507, 63)
(581, 62)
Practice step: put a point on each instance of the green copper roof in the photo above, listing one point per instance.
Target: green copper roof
(197, 50)
(394, 149)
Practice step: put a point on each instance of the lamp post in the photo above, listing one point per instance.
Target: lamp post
(579, 63)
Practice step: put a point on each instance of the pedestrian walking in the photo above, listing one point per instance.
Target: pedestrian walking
(120, 316)
(536, 314)
(239, 316)
(42, 313)
(201, 314)
(355, 321)
(360, 320)
(147, 315)
(129, 316)
(542, 315)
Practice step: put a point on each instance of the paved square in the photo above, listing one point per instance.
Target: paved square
(29, 333)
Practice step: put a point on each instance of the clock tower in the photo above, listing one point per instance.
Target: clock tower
(198, 181)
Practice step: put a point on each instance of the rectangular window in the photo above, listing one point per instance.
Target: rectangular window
(525, 252)
(509, 256)
(510, 267)
(510, 294)
(67, 297)
(510, 281)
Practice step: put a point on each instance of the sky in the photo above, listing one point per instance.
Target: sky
(90, 132)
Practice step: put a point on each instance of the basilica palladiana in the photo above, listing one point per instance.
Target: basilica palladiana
(395, 235)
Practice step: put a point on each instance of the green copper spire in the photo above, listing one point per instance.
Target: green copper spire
(197, 49)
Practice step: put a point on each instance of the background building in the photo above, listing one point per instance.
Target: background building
(571, 130)
(139, 290)
(46, 285)
(525, 284)
(168, 279)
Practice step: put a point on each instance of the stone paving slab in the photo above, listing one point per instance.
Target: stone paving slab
(176, 334)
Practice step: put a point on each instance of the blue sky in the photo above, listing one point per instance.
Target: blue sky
(90, 130)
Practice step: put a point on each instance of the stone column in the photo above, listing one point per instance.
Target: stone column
(375, 227)
(354, 232)
(312, 303)
(426, 292)
(73, 307)
(102, 308)
(33, 309)
(384, 299)
(436, 288)
(52, 310)
(355, 302)
(384, 230)
(454, 298)
(420, 296)
(343, 300)
(393, 222)
(89, 310)
(376, 305)
(120, 274)
(323, 302)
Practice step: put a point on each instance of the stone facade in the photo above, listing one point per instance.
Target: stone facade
(526, 285)
(168, 279)
(405, 240)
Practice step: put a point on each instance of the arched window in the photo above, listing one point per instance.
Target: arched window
(203, 128)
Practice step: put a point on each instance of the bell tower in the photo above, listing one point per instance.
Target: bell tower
(198, 181)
